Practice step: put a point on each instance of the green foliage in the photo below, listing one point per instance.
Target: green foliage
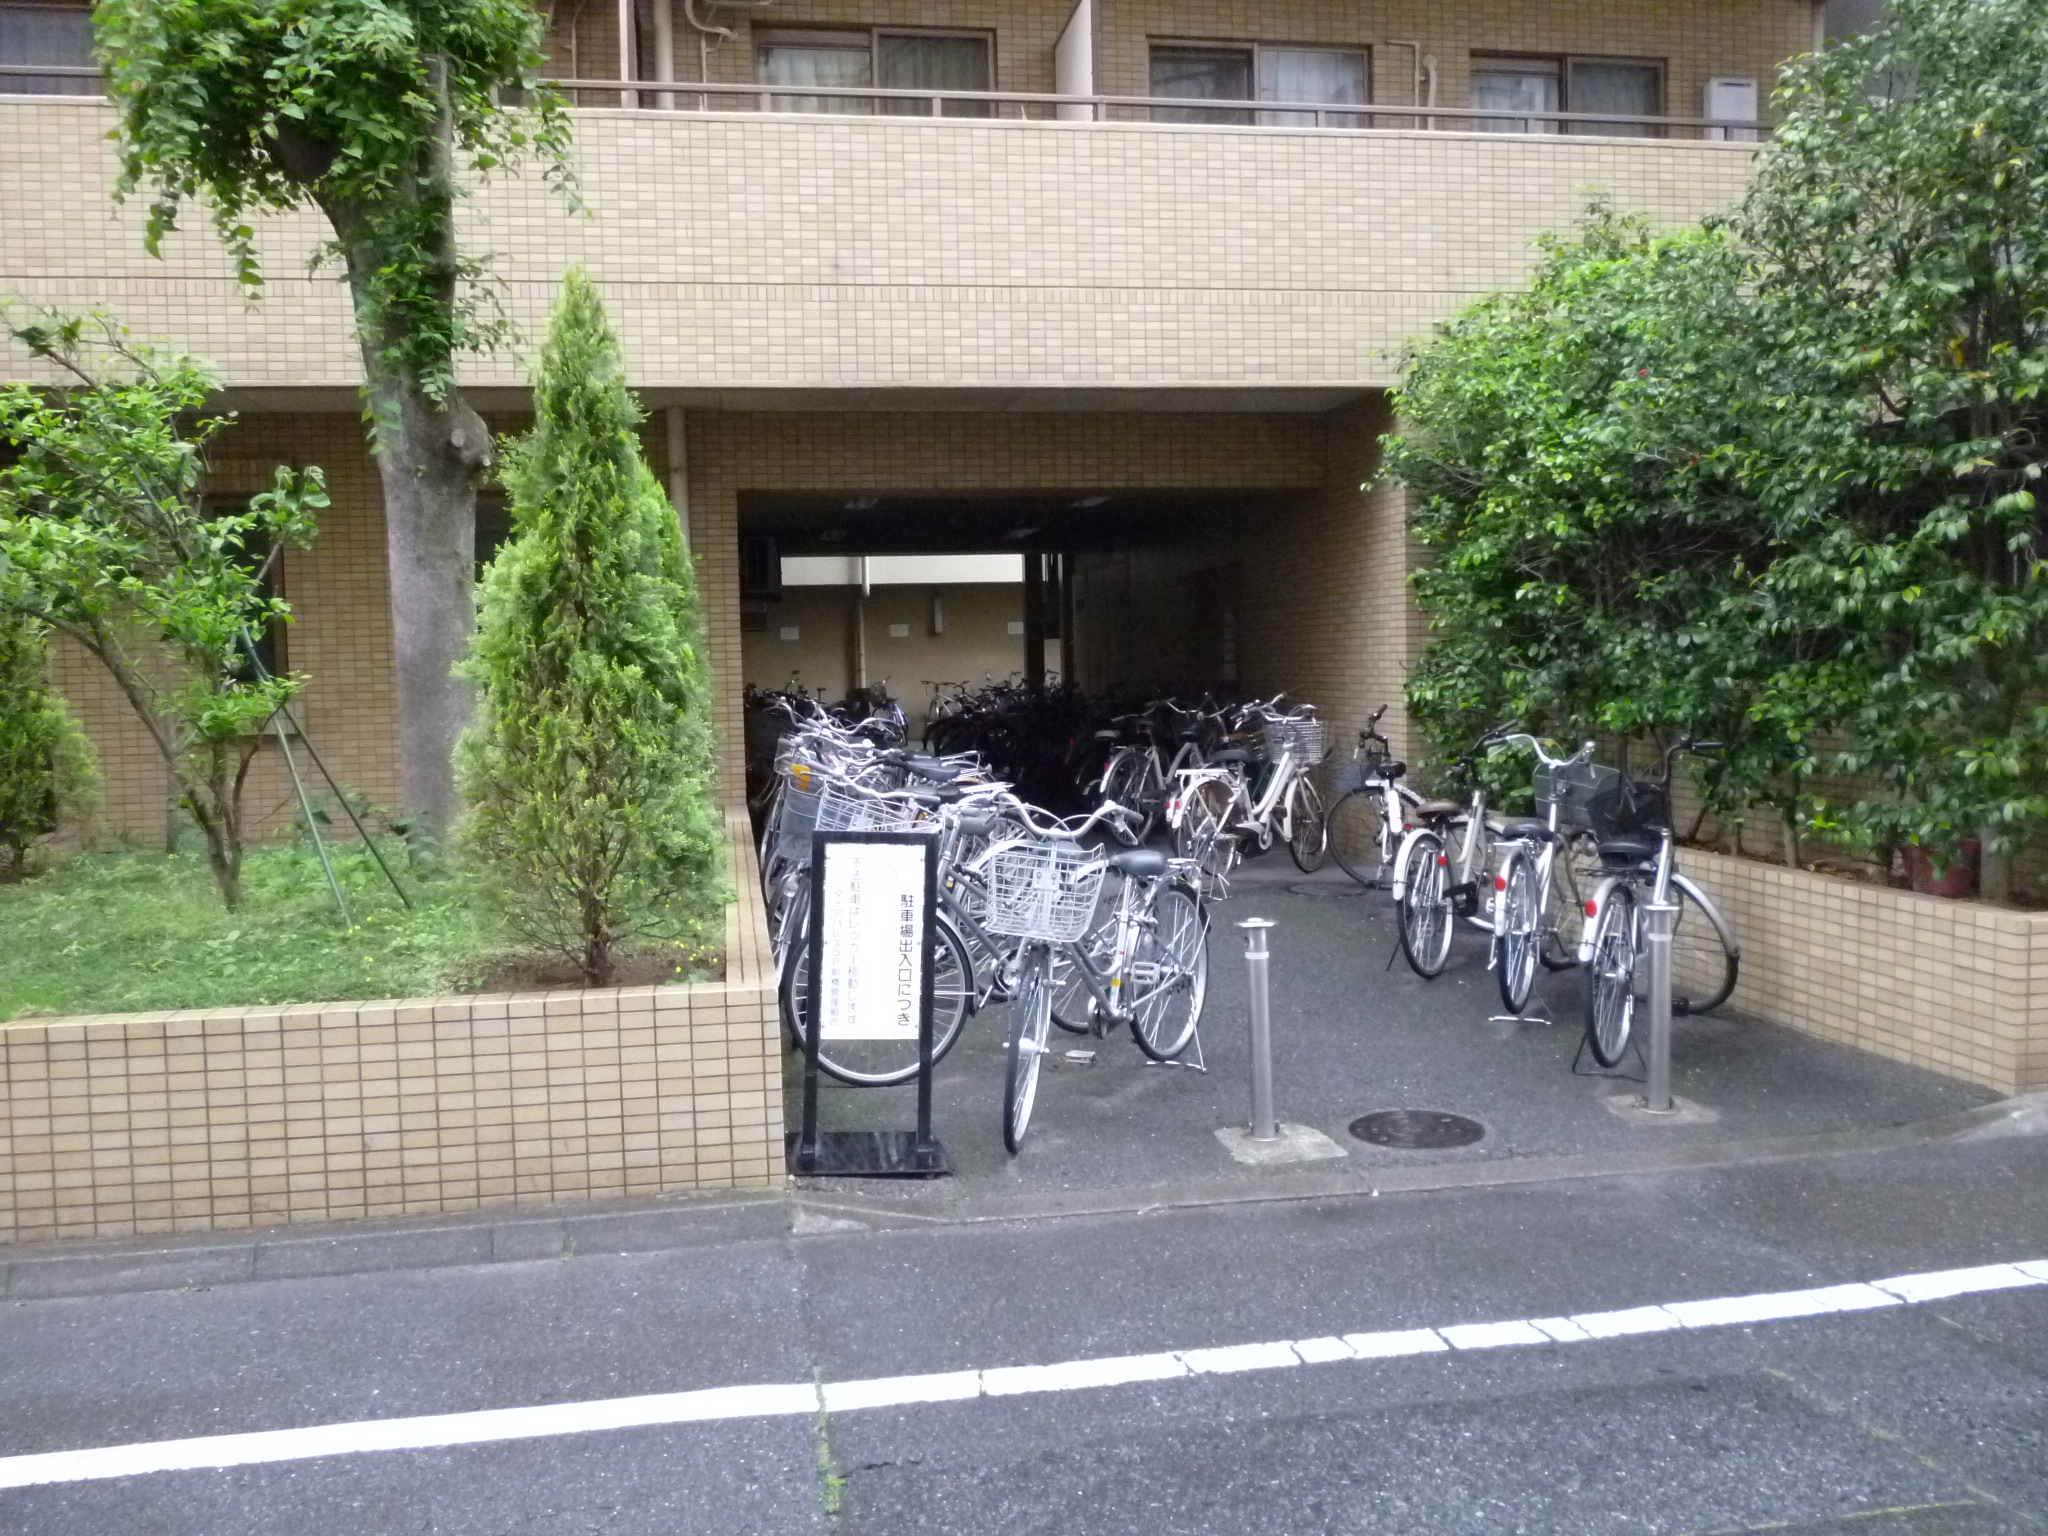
(1773, 481)
(126, 931)
(105, 538)
(589, 767)
(371, 109)
(47, 774)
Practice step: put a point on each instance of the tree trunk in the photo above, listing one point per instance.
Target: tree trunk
(429, 455)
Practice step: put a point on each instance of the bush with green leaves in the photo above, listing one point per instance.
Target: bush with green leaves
(48, 778)
(106, 538)
(589, 768)
(1774, 481)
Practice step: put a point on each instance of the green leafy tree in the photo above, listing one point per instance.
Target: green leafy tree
(589, 767)
(375, 112)
(105, 538)
(1899, 238)
(47, 774)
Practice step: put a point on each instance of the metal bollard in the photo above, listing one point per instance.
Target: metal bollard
(1658, 918)
(1265, 1124)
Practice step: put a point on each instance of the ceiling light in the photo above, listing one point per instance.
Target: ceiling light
(863, 504)
(1092, 501)
(1020, 533)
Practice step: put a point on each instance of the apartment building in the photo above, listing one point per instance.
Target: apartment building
(1116, 286)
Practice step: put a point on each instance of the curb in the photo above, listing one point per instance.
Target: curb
(827, 1208)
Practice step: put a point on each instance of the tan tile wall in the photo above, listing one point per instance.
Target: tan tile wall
(186, 1122)
(1954, 986)
(775, 251)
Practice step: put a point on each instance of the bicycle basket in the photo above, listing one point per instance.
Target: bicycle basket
(1042, 890)
(1627, 808)
(843, 808)
(797, 812)
(1571, 787)
(1302, 738)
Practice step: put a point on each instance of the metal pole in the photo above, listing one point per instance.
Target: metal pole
(1658, 918)
(1265, 1124)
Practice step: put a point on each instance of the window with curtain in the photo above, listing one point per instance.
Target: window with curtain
(1516, 85)
(1612, 87)
(1325, 76)
(46, 34)
(832, 61)
(1616, 87)
(930, 61)
(1201, 73)
(895, 61)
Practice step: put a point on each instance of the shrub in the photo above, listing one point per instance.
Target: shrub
(47, 774)
(588, 769)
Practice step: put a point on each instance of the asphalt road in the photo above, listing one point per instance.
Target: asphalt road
(1922, 1419)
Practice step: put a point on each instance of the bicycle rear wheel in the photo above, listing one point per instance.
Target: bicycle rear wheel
(1425, 909)
(1355, 834)
(1611, 978)
(1519, 938)
(1030, 1023)
(878, 1063)
(1308, 834)
(1073, 1005)
(1169, 975)
(1704, 959)
(1129, 783)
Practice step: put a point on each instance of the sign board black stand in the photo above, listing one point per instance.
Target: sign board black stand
(868, 1154)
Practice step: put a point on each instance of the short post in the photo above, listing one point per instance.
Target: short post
(1265, 1124)
(1659, 918)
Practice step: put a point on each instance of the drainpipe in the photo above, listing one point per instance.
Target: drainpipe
(626, 98)
(1415, 78)
(665, 51)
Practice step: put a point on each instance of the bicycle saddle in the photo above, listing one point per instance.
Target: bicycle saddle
(1627, 850)
(1390, 768)
(1437, 810)
(1524, 826)
(936, 769)
(977, 826)
(1228, 756)
(1140, 863)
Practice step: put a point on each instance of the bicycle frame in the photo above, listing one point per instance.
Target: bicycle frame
(1107, 986)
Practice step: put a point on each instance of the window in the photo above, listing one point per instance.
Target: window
(262, 649)
(46, 34)
(1614, 87)
(889, 60)
(493, 527)
(1257, 72)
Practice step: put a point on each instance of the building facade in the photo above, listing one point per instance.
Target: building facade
(1121, 281)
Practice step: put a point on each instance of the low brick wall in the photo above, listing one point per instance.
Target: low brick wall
(1955, 986)
(131, 1124)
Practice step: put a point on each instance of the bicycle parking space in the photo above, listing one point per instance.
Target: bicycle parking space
(1353, 1034)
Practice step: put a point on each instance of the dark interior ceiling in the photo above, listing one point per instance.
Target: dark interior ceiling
(854, 522)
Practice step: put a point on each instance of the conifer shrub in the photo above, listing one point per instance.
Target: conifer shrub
(47, 775)
(588, 770)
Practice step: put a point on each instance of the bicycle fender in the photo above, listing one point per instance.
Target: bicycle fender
(1594, 908)
(1500, 890)
(1401, 858)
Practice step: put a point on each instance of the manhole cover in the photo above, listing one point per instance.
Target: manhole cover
(1416, 1128)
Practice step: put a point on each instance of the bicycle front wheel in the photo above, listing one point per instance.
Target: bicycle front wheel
(1355, 836)
(1425, 910)
(1308, 834)
(1611, 978)
(1168, 979)
(1129, 783)
(878, 1063)
(1030, 1023)
(1704, 959)
(1519, 938)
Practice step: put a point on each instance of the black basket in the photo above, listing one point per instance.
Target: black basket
(1628, 808)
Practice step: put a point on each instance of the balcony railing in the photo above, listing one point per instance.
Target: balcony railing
(972, 106)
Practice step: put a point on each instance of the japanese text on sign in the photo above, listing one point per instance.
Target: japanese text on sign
(871, 954)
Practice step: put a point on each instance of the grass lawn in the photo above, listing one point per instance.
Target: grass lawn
(133, 932)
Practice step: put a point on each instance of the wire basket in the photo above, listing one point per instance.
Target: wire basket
(1628, 808)
(796, 813)
(1571, 787)
(1042, 890)
(1302, 739)
(843, 807)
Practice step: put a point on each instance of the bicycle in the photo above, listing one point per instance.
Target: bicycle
(1533, 857)
(1632, 820)
(1370, 814)
(1146, 969)
(1217, 805)
(1440, 873)
(1136, 774)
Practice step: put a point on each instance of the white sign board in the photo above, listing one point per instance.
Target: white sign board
(871, 942)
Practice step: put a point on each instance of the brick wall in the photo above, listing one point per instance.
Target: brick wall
(1954, 986)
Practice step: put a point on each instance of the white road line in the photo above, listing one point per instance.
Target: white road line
(803, 1398)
